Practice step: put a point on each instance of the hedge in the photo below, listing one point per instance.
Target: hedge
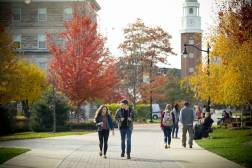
(142, 111)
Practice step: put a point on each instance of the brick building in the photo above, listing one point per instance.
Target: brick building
(191, 33)
(27, 21)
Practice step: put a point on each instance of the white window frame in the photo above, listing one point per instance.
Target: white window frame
(191, 69)
(191, 41)
(67, 13)
(16, 13)
(41, 38)
(191, 55)
(17, 38)
(42, 11)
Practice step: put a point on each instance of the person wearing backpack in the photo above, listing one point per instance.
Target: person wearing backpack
(166, 123)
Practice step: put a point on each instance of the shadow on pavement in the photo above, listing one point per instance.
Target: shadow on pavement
(149, 160)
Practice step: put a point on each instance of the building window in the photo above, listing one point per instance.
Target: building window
(68, 14)
(190, 55)
(191, 70)
(190, 10)
(17, 40)
(191, 41)
(42, 14)
(41, 41)
(16, 14)
(42, 65)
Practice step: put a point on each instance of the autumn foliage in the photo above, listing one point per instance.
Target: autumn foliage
(156, 86)
(82, 69)
(19, 80)
(230, 81)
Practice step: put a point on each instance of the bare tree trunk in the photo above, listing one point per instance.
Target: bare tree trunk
(25, 105)
(54, 110)
(151, 65)
(78, 113)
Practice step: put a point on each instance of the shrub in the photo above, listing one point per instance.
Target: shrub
(113, 107)
(42, 115)
(7, 121)
(83, 126)
(21, 124)
(142, 112)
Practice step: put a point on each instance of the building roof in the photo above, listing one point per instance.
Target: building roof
(191, 0)
(93, 1)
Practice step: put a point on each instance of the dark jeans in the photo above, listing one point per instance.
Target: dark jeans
(126, 132)
(167, 134)
(189, 129)
(175, 130)
(103, 138)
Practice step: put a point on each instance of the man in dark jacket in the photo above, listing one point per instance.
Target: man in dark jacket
(124, 117)
(186, 118)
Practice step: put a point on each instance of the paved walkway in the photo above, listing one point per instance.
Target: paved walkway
(82, 152)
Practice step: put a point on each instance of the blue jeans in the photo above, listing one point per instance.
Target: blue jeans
(175, 130)
(126, 132)
(167, 134)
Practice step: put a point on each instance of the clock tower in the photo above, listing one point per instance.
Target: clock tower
(191, 33)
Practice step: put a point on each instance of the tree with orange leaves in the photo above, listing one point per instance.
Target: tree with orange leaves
(157, 87)
(82, 69)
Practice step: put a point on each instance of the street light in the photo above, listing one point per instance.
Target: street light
(185, 53)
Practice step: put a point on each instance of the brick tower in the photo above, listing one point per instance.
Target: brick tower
(191, 33)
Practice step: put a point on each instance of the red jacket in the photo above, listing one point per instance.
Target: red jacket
(161, 119)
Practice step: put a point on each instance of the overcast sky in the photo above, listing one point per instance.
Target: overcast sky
(116, 14)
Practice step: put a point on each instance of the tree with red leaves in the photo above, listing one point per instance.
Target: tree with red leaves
(82, 68)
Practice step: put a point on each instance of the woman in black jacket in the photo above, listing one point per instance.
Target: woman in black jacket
(104, 122)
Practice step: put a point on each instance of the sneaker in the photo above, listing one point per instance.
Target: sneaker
(100, 153)
(105, 157)
(190, 146)
(128, 157)
(166, 146)
(122, 155)
(184, 145)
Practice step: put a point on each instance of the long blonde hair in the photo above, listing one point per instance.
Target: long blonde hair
(99, 111)
(168, 108)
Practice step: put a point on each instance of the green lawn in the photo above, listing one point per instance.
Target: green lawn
(31, 135)
(231, 144)
(8, 153)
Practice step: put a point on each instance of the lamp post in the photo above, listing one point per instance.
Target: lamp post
(185, 53)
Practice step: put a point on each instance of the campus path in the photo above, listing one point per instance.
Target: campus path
(82, 152)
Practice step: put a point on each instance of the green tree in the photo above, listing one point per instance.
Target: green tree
(42, 113)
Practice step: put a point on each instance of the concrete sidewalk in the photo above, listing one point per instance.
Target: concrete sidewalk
(82, 151)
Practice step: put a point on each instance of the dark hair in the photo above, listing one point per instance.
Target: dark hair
(176, 106)
(125, 102)
(186, 103)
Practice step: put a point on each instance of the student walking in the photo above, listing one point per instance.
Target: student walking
(124, 116)
(186, 118)
(104, 122)
(175, 128)
(166, 123)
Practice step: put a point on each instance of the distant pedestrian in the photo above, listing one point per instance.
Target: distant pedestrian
(124, 117)
(176, 114)
(166, 123)
(186, 118)
(104, 122)
(197, 111)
